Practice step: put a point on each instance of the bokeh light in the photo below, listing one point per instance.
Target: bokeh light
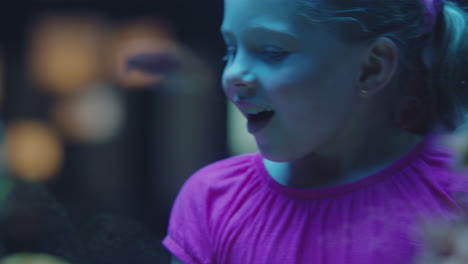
(145, 51)
(65, 51)
(33, 150)
(32, 258)
(95, 115)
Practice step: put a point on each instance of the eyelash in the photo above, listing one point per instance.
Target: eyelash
(269, 54)
(274, 54)
(230, 52)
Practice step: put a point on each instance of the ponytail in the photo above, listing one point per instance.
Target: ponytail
(450, 66)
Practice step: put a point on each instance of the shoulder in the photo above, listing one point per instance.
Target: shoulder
(203, 202)
(207, 194)
(220, 182)
(223, 172)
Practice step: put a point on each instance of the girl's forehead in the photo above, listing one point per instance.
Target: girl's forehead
(278, 5)
(262, 7)
(240, 13)
(241, 16)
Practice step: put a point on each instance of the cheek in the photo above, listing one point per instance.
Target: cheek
(313, 96)
(293, 87)
(302, 76)
(286, 82)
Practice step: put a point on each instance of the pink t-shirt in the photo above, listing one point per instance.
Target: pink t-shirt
(233, 212)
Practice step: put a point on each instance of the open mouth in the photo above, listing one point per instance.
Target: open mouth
(261, 116)
(258, 121)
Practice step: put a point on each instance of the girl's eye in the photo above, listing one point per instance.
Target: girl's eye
(274, 54)
(230, 53)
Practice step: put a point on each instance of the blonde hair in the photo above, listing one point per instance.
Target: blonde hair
(446, 73)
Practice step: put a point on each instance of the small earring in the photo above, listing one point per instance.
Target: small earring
(364, 91)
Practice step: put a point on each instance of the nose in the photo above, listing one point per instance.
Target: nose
(239, 82)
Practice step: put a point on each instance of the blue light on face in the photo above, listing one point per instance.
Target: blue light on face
(273, 53)
(230, 53)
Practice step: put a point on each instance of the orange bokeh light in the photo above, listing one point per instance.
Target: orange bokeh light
(65, 52)
(33, 150)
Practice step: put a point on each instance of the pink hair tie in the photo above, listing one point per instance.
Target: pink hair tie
(431, 12)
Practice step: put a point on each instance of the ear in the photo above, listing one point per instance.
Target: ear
(379, 66)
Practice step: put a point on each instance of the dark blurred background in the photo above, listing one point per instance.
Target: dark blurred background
(106, 108)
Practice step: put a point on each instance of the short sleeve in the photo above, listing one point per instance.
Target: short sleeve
(188, 234)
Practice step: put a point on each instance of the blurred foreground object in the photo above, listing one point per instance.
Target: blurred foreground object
(30, 258)
(458, 142)
(117, 239)
(446, 244)
(32, 220)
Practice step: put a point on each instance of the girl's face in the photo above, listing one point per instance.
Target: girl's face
(295, 82)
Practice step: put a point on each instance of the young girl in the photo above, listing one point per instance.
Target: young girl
(348, 101)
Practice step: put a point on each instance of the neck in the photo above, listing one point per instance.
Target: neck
(356, 158)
